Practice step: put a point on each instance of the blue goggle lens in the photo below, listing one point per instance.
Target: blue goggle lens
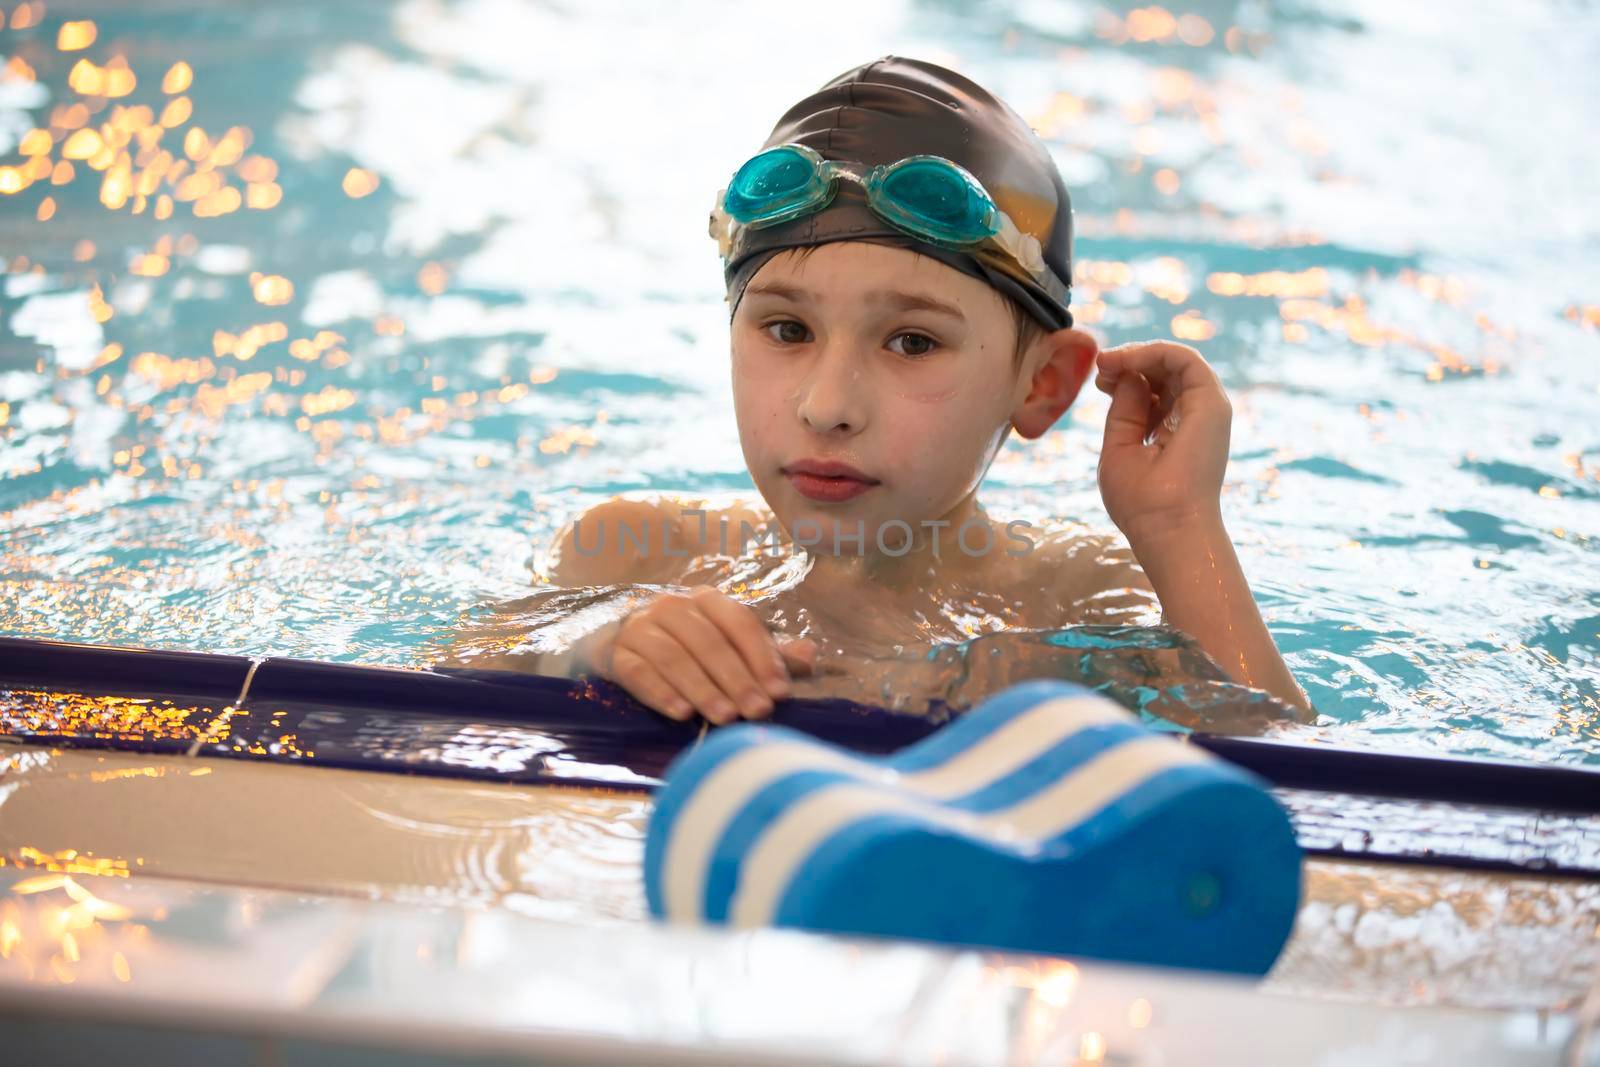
(774, 186)
(934, 200)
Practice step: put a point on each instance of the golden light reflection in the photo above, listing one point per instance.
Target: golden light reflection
(258, 169)
(1192, 326)
(178, 78)
(245, 346)
(138, 174)
(1151, 24)
(176, 112)
(151, 266)
(98, 308)
(1154, 25)
(1585, 315)
(62, 863)
(36, 142)
(165, 372)
(271, 289)
(230, 147)
(1448, 288)
(45, 712)
(212, 401)
(115, 188)
(359, 182)
(1306, 283)
(262, 196)
(221, 202)
(310, 349)
(71, 116)
(17, 70)
(433, 278)
(113, 80)
(58, 939)
(76, 35)
(1195, 31)
(1052, 981)
(564, 439)
(1351, 320)
(196, 145)
(327, 401)
(82, 145)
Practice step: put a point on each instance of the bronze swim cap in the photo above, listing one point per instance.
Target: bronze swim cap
(895, 107)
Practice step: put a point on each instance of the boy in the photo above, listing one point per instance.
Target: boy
(898, 264)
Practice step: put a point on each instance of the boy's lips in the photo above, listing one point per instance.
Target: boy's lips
(827, 480)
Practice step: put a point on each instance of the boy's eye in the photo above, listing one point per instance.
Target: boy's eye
(790, 332)
(918, 345)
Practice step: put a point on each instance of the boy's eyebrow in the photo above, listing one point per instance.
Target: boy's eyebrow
(895, 298)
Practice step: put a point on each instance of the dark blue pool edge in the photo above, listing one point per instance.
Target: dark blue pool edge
(596, 709)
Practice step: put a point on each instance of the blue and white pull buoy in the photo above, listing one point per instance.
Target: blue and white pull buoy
(1045, 819)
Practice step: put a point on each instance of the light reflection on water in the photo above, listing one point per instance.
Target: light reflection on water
(466, 291)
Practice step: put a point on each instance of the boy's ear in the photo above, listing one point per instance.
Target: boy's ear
(1067, 363)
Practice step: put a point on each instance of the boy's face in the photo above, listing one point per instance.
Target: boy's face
(894, 364)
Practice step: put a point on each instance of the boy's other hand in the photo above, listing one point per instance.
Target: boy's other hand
(1166, 438)
(702, 651)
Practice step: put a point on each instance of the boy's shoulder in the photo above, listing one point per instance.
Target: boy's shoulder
(1081, 567)
(643, 538)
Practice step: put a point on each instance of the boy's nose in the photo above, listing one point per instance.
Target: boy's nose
(833, 395)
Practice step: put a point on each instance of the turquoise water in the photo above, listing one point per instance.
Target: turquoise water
(462, 289)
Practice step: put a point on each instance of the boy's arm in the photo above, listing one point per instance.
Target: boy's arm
(1161, 470)
(1203, 591)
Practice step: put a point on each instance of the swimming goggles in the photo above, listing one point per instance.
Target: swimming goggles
(928, 197)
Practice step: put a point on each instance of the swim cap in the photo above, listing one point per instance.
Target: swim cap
(895, 107)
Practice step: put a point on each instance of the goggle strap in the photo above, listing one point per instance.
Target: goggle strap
(721, 227)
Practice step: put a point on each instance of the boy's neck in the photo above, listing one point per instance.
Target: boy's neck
(935, 555)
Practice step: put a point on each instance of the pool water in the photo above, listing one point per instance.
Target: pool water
(434, 277)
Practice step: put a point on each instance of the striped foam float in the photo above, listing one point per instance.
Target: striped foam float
(1045, 819)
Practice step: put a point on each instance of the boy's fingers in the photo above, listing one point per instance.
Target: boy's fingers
(680, 665)
(799, 655)
(720, 659)
(1184, 367)
(752, 639)
(1128, 420)
(635, 674)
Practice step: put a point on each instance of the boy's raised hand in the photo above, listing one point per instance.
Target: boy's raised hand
(1166, 438)
(701, 651)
